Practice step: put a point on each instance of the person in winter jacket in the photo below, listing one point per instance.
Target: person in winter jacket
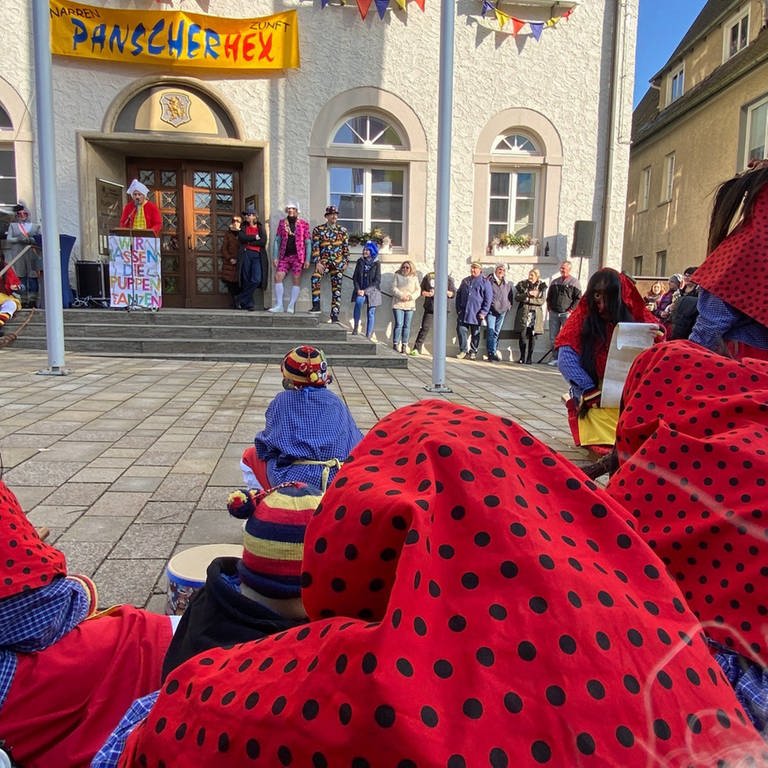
(500, 305)
(473, 303)
(367, 288)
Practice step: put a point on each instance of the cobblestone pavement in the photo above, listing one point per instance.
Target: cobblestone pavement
(129, 461)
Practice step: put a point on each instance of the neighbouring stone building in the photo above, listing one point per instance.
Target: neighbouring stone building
(541, 120)
(701, 121)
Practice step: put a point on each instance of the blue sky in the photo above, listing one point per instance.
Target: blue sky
(660, 29)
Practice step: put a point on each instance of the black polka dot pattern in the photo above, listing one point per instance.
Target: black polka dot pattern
(482, 644)
(27, 562)
(693, 443)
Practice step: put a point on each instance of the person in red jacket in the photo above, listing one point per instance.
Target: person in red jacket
(10, 285)
(141, 213)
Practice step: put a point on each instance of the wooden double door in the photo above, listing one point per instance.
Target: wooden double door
(197, 200)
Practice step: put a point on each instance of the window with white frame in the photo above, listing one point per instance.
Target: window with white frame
(514, 190)
(7, 162)
(757, 131)
(369, 195)
(676, 84)
(644, 193)
(669, 178)
(736, 34)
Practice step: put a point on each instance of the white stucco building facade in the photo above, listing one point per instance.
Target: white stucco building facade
(540, 134)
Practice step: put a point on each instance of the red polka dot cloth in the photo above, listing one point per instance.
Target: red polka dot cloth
(475, 601)
(693, 446)
(736, 270)
(28, 562)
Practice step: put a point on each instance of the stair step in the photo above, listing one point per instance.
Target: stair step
(225, 335)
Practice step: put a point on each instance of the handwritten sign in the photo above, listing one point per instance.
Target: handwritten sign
(134, 272)
(174, 38)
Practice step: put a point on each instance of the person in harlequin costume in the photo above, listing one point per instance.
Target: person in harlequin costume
(10, 285)
(291, 253)
(309, 431)
(140, 212)
(474, 600)
(733, 313)
(692, 445)
(330, 253)
(67, 672)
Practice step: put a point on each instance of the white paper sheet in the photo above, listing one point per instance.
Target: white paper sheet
(629, 340)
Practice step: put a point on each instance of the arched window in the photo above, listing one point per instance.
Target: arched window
(517, 144)
(370, 194)
(7, 163)
(515, 181)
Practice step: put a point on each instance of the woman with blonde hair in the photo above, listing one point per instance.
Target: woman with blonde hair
(405, 289)
(530, 295)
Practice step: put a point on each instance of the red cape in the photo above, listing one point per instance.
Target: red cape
(475, 601)
(693, 446)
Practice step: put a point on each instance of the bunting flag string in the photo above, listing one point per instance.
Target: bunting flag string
(381, 5)
(503, 19)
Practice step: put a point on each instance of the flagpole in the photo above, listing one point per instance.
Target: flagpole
(443, 201)
(45, 139)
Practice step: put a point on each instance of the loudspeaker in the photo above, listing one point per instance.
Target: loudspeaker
(583, 239)
(92, 279)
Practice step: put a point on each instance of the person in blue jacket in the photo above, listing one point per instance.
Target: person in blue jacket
(473, 302)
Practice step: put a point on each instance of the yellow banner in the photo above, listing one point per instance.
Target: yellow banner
(174, 38)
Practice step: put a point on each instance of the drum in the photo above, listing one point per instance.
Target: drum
(186, 572)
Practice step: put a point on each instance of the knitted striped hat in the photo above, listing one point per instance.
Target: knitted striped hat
(305, 366)
(273, 542)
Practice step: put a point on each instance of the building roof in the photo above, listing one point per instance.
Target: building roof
(648, 119)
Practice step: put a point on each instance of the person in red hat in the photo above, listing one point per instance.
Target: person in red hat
(330, 253)
(733, 314)
(67, 672)
(473, 600)
(309, 431)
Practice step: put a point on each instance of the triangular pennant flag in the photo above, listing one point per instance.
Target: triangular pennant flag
(420, 3)
(381, 7)
(552, 22)
(502, 18)
(363, 6)
(323, 3)
(517, 25)
(536, 27)
(567, 14)
(487, 6)
(401, 4)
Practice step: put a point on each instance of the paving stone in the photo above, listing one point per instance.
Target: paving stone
(76, 494)
(180, 488)
(118, 503)
(29, 496)
(56, 516)
(127, 581)
(84, 557)
(39, 472)
(97, 475)
(166, 512)
(134, 483)
(147, 541)
(212, 526)
(105, 529)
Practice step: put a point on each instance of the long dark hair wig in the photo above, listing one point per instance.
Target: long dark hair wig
(594, 332)
(730, 196)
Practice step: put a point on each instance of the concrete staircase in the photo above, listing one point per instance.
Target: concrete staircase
(195, 334)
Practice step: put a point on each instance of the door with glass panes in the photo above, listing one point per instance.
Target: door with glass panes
(197, 201)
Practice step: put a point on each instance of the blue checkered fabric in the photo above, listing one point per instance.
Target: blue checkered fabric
(718, 320)
(109, 754)
(33, 620)
(749, 680)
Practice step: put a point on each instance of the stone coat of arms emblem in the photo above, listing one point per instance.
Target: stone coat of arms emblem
(175, 109)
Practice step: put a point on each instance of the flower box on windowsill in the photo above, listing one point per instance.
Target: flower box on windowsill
(513, 253)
